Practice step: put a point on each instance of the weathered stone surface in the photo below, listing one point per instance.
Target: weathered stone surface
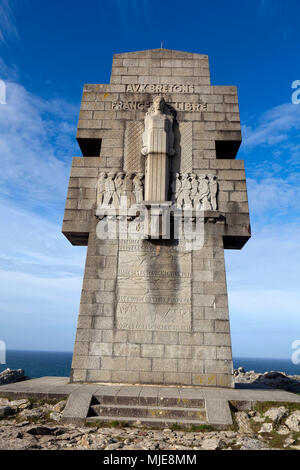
(243, 422)
(282, 429)
(266, 427)
(211, 444)
(277, 414)
(156, 310)
(247, 443)
(293, 421)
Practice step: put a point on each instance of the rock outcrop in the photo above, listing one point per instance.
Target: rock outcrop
(9, 376)
(272, 379)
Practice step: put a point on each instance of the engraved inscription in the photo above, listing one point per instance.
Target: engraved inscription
(157, 88)
(144, 105)
(153, 317)
(153, 288)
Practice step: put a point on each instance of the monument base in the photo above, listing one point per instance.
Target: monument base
(151, 406)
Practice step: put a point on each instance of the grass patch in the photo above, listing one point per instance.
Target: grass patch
(95, 424)
(192, 427)
(202, 428)
(118, 424)
(107, 424)
(48, 401)
(30, 419)
(263, 406)
(277, 440)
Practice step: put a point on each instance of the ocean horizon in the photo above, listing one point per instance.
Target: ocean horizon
(56, 363)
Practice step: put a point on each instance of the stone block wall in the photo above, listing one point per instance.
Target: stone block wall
(208, 136)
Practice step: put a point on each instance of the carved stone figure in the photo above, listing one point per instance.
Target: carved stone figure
(183, 198)
(202, 201)
(118, 184)
(110, 196)
(158, 118)
(194, 189)
(127, 197)
(138, 188)
(158, 145)
(213, 189)
(101, 188)
(175, 185)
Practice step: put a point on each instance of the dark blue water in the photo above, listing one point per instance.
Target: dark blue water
(42, 363)
(39, 363)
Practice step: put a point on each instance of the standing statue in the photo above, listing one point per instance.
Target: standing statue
(158, 145)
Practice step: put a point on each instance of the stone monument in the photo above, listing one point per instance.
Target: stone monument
(156, 197)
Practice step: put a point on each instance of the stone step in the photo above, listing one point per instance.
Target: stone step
(148, 400)
(148, 422)
(137, 412)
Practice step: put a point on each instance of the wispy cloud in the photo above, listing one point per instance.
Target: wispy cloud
(274, 126)
(273, 196)
(263, 286)
(40, 278)
(36, 246)
(36, 145)
(8, 26)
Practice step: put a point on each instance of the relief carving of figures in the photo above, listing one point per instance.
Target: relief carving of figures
(198, 192)
(183, 198)
(213, 188)
(110, 196)
(127, 196)
(120, 190)
(201, 200)
(101, 188)
(138, 188)
(118, 184)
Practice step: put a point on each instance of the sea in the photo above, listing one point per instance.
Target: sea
(44, 363)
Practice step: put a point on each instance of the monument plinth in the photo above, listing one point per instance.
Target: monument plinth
(158, 166)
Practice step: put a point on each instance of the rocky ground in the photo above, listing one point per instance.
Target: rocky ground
(36, 425)
(27, 424)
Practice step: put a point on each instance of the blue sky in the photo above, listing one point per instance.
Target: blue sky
(48, 50)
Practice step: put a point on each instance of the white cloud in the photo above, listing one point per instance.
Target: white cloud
(40, 271)
(274, 196)
(37, 141)
(269, 260)
(8, 26)
(40, 277)
(34, 245)
(264, 296)
(274, 126)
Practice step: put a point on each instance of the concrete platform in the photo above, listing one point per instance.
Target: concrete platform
(151, 405)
